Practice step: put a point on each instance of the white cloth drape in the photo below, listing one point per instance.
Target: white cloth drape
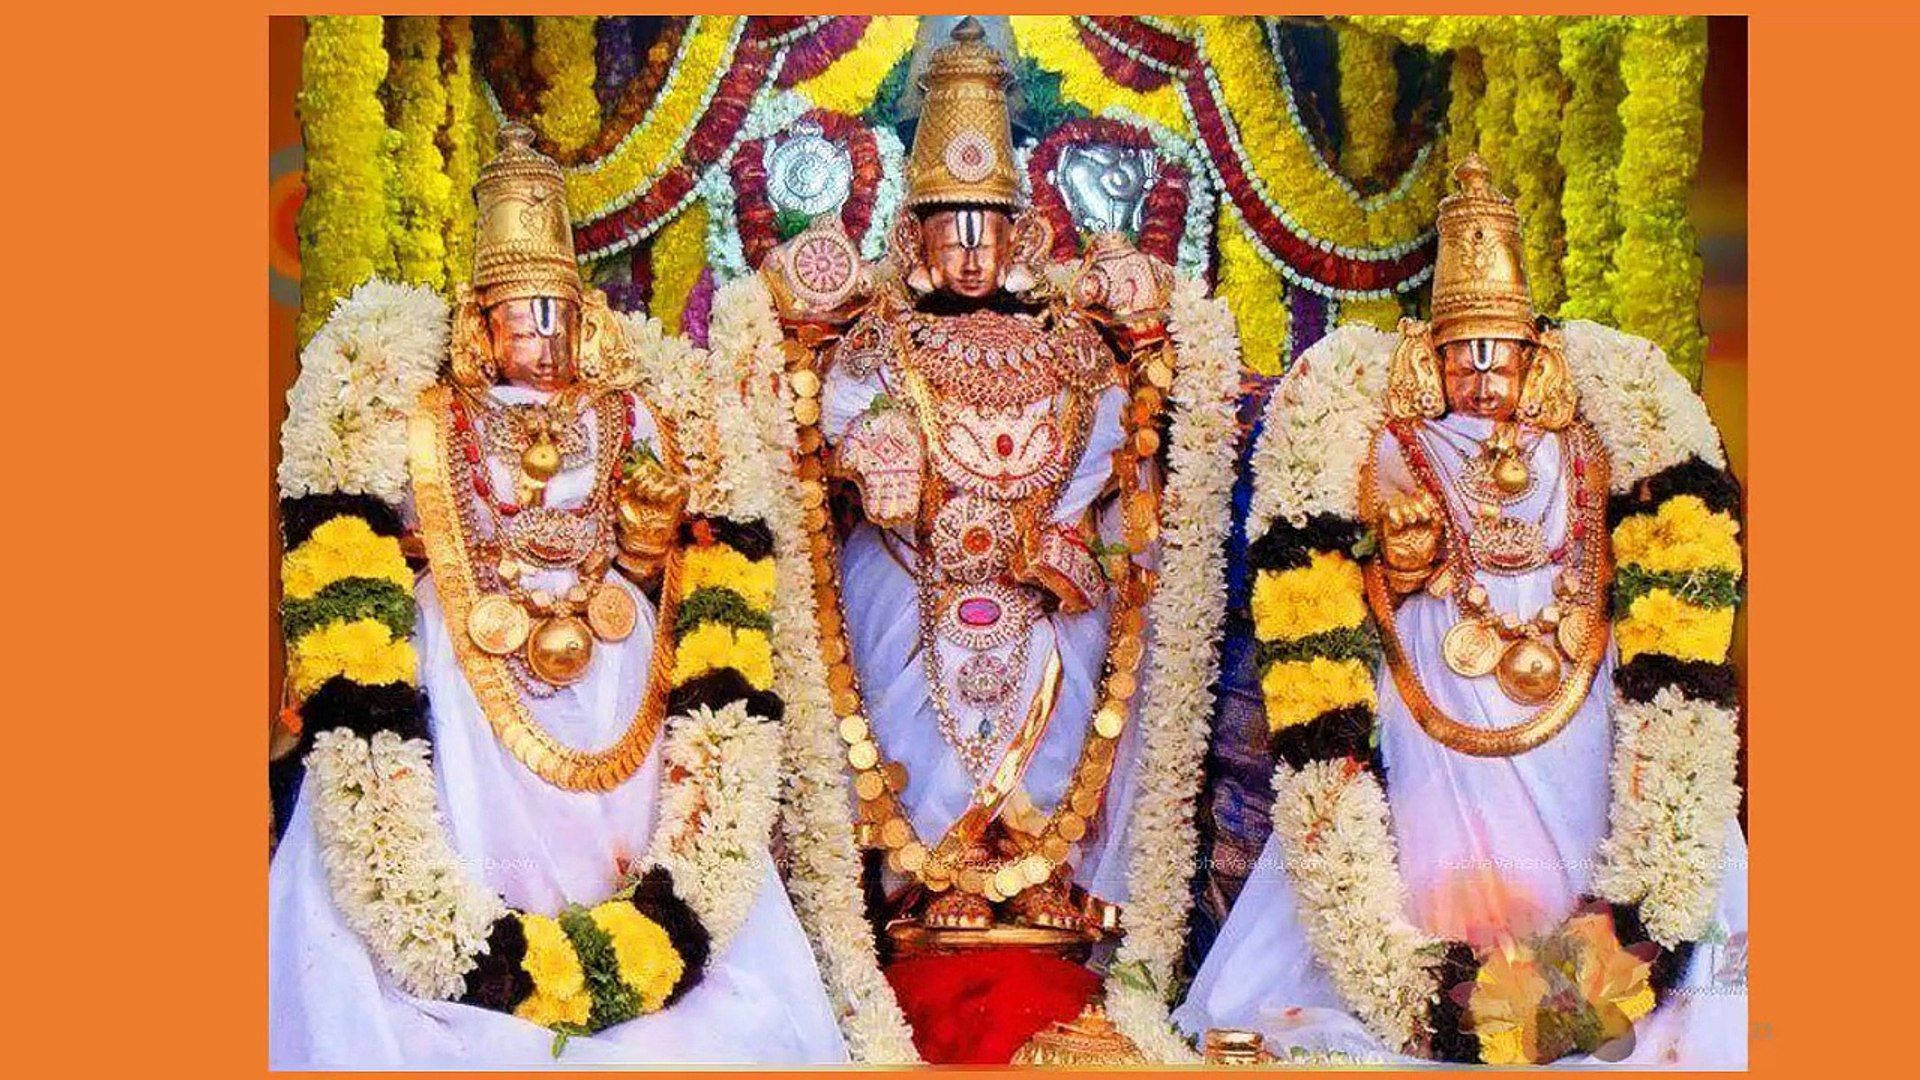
(542, 848)
(1487, 846)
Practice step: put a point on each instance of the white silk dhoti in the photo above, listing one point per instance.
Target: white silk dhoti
(761, 999)
(1487, 846)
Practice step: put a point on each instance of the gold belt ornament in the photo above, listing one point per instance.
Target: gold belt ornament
(445, 534)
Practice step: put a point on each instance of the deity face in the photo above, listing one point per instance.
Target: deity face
(1482, 376)
(967, 250)
(533, 341)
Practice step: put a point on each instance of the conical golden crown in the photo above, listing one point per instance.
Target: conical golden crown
(963, 148)
(1480, 283)
(523, 238)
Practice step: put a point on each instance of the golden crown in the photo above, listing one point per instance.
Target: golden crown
(963, 147)
(523, 238)
(1479, 282)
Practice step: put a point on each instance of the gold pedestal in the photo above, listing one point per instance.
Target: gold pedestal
(913, 938)
(1089, 1039)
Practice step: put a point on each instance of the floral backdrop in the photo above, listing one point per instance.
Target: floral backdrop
(1303, 158)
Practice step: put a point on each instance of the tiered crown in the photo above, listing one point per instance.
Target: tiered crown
(1480, 282)
(963, 148)
(523, 242)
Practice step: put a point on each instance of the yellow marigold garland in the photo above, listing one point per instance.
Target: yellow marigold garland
(422, 195)
(1291, 169)
(1369, 85)
(1255, 292)
(342, 547)
(654, 144)
(1053, 42)
(1296, 691)
(1324, 595)
(1656, 268)
(1533, 162)
(1660, 622)
(563, 59)
(848, 85)
(363, 650)
(1590, 132)
(465, 106)
(1466, 85)
(1682, 536)
(343, 222)
(1381, 311)
(1493, 116)
(560, 994)
(647, 959)
(719, 566)
(712, 646)
(679, 254)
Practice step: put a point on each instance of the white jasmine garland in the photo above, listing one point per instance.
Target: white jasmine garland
(715, 823)
(1185, 612)
(1672, 773)
(824, 875)
(888, 196)
(390, 867)
(1195, 251)
(346, 426)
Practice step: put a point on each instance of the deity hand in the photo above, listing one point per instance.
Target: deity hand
(883, 453)
(648, 506)
(817, 277)
(1411, 527)
(1056, 558)
(1125, 288)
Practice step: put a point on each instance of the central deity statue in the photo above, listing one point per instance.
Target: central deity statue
(983, 430)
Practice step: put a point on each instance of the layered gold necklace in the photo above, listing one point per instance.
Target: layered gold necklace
(514, 642)
(1548, 659)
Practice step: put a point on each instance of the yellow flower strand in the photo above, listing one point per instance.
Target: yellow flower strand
(422, 194)
(343, 221)
(363, 650)
(342, 547)
(1326, 594)
(1296, 691)
(1681, 537)
(1467, 84)
(654, 144)
(1369, 87)
(563, 49)
(1380, 311)
(679, 254)
(1590, 133)
(560, 993)
(1533, 160)
(1656, 273)
(647, 960)
(848, 85)
(464, 107)
(1660, 622)
(1053, 42)
(712, 646)
(1493, 117)
(1255, 292)
(717, 565)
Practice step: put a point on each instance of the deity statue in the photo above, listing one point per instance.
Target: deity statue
(549, 491)
(1534, 695)
(978, 437)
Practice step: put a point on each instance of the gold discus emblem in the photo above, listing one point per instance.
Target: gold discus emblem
(611, 612)
(497, 625)
(1471, 648)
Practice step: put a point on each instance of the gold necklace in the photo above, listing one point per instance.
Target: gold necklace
(1524, 658)
(432, 445)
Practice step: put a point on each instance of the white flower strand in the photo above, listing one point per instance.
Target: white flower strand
(824, 878)
(1674, 791)
(1319, 428)
(346, 426)
(1186, 611)
(1644, 410)
(390, 867)
(715, 824)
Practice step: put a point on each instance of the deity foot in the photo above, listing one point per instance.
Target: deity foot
(957, 910)
(1050, 904)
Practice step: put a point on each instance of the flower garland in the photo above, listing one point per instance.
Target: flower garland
(460, 132)
(849, 84)
(1466, 85)
(1532, 159)
(1674, 514)
(1590, 133)
(1369, 85)
(1255, 292)
(349, 614)
(563, 62)
(342, 222)
(1656, 270)
(1186, 611)
(421, 195)
(678, 254)
(1054, 43)
(824, 879)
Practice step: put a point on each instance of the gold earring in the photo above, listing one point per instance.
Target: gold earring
(1414, 390)
(1547, 396)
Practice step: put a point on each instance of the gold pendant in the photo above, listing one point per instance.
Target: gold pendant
(611, 612)
(497, 625)
(1577, 630)
(1471, 648)
(560, 649)
(1529, 671)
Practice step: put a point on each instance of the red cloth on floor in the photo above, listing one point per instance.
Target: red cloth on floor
(978, 1008)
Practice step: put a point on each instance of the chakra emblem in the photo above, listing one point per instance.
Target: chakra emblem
(807, 173)
(969, 157)
(822, 267)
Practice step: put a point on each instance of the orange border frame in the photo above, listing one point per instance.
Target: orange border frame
(133, 717)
